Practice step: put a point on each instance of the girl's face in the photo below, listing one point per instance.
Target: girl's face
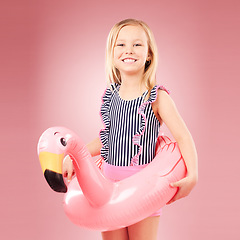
(131, 50)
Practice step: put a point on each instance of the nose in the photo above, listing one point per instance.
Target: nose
(129, 49)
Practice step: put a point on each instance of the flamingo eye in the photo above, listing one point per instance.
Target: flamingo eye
(63, 142)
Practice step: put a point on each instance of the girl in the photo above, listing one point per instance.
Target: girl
(127, 143)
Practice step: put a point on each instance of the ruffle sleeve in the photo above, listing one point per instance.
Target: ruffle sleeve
(141, 110)
(104, 113)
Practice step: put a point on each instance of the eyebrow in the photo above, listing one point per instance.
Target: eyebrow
(137, 39)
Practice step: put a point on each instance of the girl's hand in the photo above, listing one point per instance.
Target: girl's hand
(184, 186)
(68, 169)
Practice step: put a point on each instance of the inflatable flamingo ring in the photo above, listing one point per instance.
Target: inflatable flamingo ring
(91, 200)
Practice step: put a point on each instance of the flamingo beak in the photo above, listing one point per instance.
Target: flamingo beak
(51, 164)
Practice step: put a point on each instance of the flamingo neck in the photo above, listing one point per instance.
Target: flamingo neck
(95, 187)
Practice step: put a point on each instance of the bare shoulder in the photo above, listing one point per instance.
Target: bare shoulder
(162, 100)
(164, 107)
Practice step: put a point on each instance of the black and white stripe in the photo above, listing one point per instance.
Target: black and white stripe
(122, 121)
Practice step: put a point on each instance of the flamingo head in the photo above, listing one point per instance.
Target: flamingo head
(52, 148)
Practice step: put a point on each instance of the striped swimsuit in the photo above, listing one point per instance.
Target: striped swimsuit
(131, 128)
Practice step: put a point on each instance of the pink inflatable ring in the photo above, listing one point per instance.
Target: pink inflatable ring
(94, 202)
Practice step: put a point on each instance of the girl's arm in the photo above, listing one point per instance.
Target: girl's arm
(167, 112)
(94, 147)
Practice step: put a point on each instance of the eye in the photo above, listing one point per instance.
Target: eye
(137, 44)
(63, 142)
(120, 45)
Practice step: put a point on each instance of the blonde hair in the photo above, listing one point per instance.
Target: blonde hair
(113, 74)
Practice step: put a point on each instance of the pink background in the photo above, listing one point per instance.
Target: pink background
(52, 73)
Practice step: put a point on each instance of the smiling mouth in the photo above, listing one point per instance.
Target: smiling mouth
(129, 60)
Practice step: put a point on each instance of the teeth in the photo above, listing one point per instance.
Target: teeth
(129, 60)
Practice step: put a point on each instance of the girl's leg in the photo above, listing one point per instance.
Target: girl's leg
(119, 234)
(145, 229)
